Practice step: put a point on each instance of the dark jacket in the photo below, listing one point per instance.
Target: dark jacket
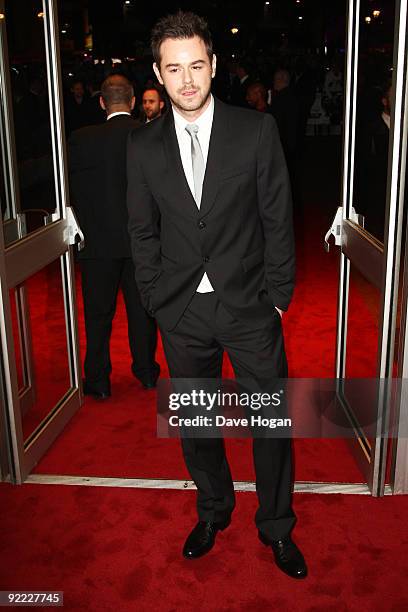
(242, 236)
(285, 110)
(97, 169)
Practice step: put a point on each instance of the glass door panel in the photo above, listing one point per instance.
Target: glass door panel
(26, 104)
(38, 323)
(369, 263)
(45, 315)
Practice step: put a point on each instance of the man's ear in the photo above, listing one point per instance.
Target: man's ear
(157, 73)
(161, 104)
(102, 103)
(132, 103)
(214, 65)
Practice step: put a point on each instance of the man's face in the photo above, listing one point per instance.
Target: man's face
(386, 101)
(78, 90)
(279, 81)
(152, 105)
(186, 72)
(252, 96)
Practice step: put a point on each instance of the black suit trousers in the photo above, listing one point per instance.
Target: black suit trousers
(101, 280)
(194, 349)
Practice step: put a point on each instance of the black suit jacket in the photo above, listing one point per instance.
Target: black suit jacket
(285, 110)
(97, 169)
(242, 236)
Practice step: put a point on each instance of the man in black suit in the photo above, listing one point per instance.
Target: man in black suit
(97, 156)
(285, 110)
(212, 241)
(241, 83)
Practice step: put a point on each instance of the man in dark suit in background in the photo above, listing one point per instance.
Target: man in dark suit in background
(212, 241)
(240, 83)
(285, 110)
(97, 159)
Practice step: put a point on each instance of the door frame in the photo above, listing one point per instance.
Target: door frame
(380, 264)
(33, 252)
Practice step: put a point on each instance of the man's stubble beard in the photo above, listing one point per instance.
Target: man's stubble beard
(194, 108)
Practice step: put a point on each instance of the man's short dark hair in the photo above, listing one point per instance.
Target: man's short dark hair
(178, 26)
(116, 89)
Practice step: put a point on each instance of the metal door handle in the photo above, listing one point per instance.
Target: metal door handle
(336, 226)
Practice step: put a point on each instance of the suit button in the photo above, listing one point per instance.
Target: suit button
(206, 259)
(152, 311)
(201, 224)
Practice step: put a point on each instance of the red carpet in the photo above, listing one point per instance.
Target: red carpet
(118, 438)
(119, 549)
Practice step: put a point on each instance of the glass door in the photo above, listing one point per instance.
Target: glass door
(39, 340)
(369, 226)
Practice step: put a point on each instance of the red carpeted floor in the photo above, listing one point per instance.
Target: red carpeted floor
(119, 549)
(118, 438)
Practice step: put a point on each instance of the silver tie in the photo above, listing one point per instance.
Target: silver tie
(197, 159)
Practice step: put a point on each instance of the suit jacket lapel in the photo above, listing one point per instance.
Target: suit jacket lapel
(176, 179)
(216, 156)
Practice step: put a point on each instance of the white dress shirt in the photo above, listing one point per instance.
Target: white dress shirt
(387, 120)
(117, 113)
(204, 123)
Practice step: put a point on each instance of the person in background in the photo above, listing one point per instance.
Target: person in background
(153, 103)
(257, 97)
(241, 82)
(285, 109)
(76, 109)
(95, 112)
(97, 167)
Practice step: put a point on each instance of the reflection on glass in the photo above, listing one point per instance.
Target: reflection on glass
(363, 327)
(15, 306)
(362, 346)
(46, 323)
(399, 336)
(29, 90)
(373, 116)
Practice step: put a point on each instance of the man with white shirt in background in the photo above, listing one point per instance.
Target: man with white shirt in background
(97, 169)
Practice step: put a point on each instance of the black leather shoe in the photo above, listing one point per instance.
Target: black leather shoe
(202, 538)
(100, 395)
(287, 556)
